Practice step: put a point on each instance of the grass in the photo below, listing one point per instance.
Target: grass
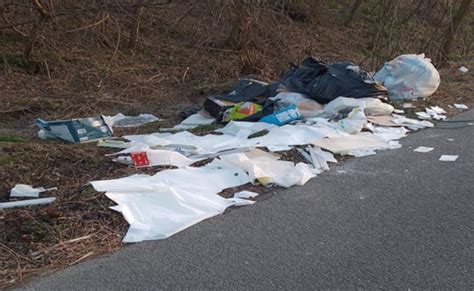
(15, 60)
(12, 138)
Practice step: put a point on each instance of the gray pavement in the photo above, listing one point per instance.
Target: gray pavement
(399, 219)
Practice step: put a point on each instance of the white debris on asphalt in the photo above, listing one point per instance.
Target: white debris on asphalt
(460, 106)
(161, 205)
(448, 158)
(423, 149)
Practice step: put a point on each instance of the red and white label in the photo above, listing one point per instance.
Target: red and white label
(140, 159)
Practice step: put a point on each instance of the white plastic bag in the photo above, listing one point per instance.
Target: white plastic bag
(409, 77)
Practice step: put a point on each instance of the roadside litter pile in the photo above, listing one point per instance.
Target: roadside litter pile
(317, 108)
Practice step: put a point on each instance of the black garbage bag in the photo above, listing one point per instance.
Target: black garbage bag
(324, 82)
(247, 90)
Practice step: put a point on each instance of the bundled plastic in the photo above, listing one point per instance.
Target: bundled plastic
(324, 82)
(409, 77)
(307, 107)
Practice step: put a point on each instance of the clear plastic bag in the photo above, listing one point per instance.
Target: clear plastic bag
(409, 77)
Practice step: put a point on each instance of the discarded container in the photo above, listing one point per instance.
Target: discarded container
(409, 77)
(283, 116)
(216, 107)
(324, 82)
(241, 110)
(75, 130)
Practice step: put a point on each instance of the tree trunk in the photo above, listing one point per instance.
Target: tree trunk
(354, 10)
(132, 43)
(452, 29)
(236, 37)
(33, 33)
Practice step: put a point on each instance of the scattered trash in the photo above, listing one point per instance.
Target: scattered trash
(216, 107)
(409, 77)
(306, 107)
(241, 110)
(460, 106)
(436, 112)
(345, 144)
(75, 130)
(342, 106)
(354, 122)
(241, 198)
(247, 90)
(111, 143)
(282, 117)
(23, 190)
(195, 120)
(121, 120)
(325, 82)
(317, 157)
(260, 117)
(142, 156)
(448, 158)
(450, 139)
(245, 194)
(410, 123)
(463, 69)
(28, 202)
(268, 170)
(161, 205)
(423, 149)
(423, 115)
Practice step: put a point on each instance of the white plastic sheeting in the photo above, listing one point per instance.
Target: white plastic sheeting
(159, 206)
(268, 170)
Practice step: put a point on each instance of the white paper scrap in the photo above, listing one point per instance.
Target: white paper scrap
(423, 115)
(463, 69)
(423, 149)
(448, 158)
(22, 190)
(460, 106)
(245, 194)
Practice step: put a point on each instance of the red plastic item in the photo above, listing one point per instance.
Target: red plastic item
(140, 159)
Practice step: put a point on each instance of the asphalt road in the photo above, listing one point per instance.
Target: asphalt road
(399, 219)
